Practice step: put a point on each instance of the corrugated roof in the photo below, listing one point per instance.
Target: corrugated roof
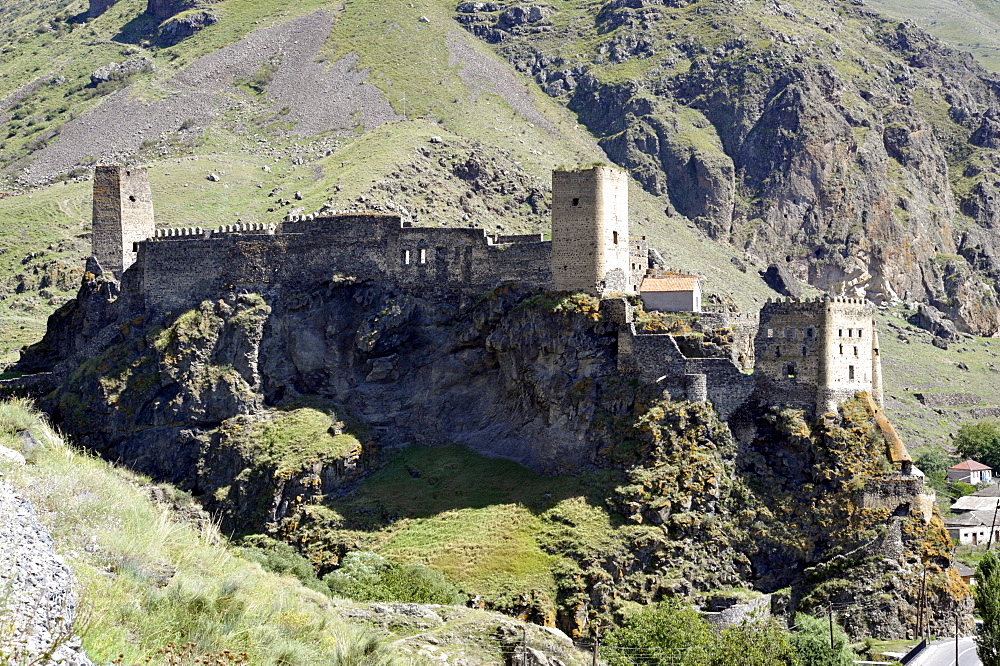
(971, 465)
(973, 503)
(965, 520)
(669, 283)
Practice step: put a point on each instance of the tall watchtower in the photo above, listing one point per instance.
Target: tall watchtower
(123, 215)
(818, 352)
(590, 248)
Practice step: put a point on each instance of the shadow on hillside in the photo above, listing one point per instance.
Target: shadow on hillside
(139, 29)
(425, 481)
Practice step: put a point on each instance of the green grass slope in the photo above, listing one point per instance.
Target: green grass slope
(159, 584)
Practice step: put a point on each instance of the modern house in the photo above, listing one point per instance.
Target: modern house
(671, 293)
(972, 528)
(972, 472)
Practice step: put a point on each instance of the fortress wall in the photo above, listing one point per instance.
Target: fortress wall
(638, 261)
(728, 388)
(180, 270)
(527, 263)
(657, 358)
(107, 217)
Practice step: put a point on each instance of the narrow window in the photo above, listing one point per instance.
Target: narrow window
(614, 235)
(810, 332)
(406, 257)
(777, 352)
(850, 372)
(790, 370)
(841, 349)
(855, 351)
(840, 332)
(803, 351)
(770, 332)
(423, 256)
(850, 332)
(860, 331)
(576, 202)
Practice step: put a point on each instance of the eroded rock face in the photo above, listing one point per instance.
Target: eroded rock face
(98, 7)
(164, 9)
(767, 139)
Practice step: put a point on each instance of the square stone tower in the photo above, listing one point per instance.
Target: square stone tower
(590, 242)
(819, 352)
(123, 215)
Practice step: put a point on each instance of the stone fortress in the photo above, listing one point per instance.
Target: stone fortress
(811, 354)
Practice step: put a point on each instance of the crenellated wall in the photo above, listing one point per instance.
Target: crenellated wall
(178, 268)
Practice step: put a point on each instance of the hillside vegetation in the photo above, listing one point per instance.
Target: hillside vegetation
(158, 583)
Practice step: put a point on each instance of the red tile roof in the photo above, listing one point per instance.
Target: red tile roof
(971, 465)
(669, 283)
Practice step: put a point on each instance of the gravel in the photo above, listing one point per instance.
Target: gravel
(319, 97)
(37, 603)
(483, 74)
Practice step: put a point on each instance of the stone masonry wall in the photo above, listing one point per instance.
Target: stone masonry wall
(177, 272)
(590, 250)
(122, 215)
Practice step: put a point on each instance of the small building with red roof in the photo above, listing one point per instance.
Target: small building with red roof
(671, 293)
(972, 472)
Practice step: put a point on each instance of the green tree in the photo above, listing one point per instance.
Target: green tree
(755, 643)
(660, 634)
(987, 597)
(934, 463)
(812, 642)
(980, 441)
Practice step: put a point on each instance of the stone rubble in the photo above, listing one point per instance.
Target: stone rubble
(37, 603)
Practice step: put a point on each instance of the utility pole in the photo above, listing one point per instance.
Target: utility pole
(830, 609)
(404, 101)
(993, 524)
(920, 618)
(956, 637)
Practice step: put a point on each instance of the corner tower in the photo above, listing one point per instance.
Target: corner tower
(123, 215)
(590, 242)
(820, 352)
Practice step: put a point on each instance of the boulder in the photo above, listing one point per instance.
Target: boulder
(780, 279)
(931, 319)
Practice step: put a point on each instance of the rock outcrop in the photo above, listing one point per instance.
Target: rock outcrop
(824, 138)
(263, 404)
(37, 602)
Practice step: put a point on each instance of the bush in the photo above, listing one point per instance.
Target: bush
(812, 642)
(370, 577)
(664, 633)
(280, 558)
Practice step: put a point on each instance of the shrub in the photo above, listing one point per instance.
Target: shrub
(368, 576)
(812, 642)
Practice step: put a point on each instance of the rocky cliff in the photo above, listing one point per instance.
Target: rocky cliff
(856, 151)
(272, 407)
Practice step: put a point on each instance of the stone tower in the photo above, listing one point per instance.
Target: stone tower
(820, 352)
(123, 215)
(590, 248)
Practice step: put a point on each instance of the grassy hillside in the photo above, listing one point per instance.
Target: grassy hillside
(159, 584)
(971, 25)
